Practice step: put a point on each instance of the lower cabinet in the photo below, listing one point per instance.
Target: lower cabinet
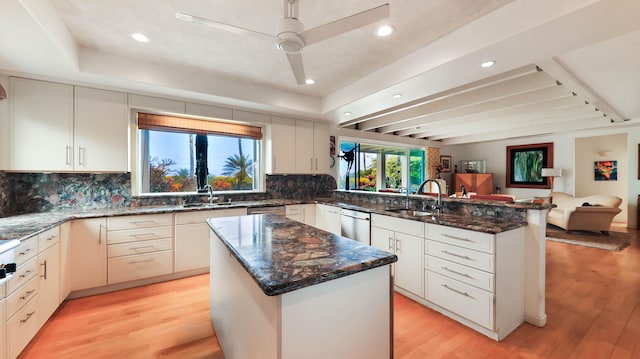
(192, 237)
(328, 218)
(49, 282)
(139, 247)
(476, 278)
(402, 237)
(88, 253)
(305, 213)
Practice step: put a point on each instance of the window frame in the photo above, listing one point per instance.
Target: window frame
(380, 178)
(137, 162)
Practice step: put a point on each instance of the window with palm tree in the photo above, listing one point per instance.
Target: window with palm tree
(170, 162)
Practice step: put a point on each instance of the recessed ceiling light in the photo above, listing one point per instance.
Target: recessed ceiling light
(385, 30)
(140, 37)
(397, 95)
(347, 113)
(309, 81)
(487, 64)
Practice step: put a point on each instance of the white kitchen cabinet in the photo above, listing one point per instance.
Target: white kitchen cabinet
(49, 282)
(283, 152)
(299, 146)
(41, 125)
(304, 213)
(65, 260)
(62, 128)
(88, 253)
(139, 247)
(404, 238)
(101, 130)
(476, 278)
(192, 237)
(328, 218)
(142, 102)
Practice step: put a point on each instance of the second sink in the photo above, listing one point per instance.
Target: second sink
(409, 212)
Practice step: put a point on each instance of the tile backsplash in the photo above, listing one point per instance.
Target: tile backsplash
(40, 192)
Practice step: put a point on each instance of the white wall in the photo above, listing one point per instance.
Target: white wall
(622, 142)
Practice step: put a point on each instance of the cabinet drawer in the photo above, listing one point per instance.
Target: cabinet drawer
(122, 269)
(400, 225)
(144, 221)
(48, 238)
(140, 247)
(21, 296)
(468, 257)
(464, 300)
(479, 241)
(20, 328)
(26, 250)
(196, 217)
(474, 277)
(142, 234)
(23, 273)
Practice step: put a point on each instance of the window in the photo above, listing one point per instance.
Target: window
(380, 167)
(184, 155)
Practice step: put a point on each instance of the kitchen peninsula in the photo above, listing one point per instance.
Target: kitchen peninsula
(283, 289)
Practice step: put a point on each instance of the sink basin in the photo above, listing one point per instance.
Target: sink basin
(410, 212)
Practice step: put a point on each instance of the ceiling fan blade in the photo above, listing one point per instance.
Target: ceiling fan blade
(219, 25)
(344, 25)
(295, 61)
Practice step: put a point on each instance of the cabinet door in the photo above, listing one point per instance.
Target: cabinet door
(304, 147)
(192, 246)
(328, 218)
(101, 129)
(283, 156)
(308, 214)
(49, 284)
(409, 265)
(65, 260)
(41, 126)
(321, 147)
(484, 183)
(88, 253)
(382, 239)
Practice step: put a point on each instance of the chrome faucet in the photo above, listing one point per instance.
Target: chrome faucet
(438, 205)
(405, 189)
(209, 189)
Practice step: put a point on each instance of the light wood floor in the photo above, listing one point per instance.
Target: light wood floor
(593, 307)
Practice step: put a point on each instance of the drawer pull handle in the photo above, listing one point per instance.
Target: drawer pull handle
(458, 238)
(25, 251)
(29, 315)
(51, 238)
(456, 272)
(26, 273)
(457, 291)
(142, 222)
(456, 255)
(141, 247)
(27, 294)
(143, 235)
(142, 261)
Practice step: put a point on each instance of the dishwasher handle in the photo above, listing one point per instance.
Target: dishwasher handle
(356, 217)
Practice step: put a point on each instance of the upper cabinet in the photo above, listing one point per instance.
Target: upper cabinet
(299, 146)
(62, 128)
(101, 130)
(41, 126)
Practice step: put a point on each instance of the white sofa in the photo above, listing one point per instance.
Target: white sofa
(572, 213)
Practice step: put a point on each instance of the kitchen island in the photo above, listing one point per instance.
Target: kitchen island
(282, 289)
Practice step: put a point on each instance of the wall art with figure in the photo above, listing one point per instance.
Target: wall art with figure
(605, 170)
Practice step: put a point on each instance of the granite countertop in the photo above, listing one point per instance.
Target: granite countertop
(23, 226)
(284, 255)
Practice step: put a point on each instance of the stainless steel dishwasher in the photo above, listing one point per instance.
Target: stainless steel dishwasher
(356, 225)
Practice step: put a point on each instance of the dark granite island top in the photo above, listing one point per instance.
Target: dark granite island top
(281, 289)
(283, 255)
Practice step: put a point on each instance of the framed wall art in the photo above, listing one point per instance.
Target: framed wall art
(445, 161)
(605, 170)
(525, 164)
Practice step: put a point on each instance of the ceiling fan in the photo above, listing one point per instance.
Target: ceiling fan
(292, 37)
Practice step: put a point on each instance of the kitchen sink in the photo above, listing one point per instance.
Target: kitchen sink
(410, 212)
(221, 204)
